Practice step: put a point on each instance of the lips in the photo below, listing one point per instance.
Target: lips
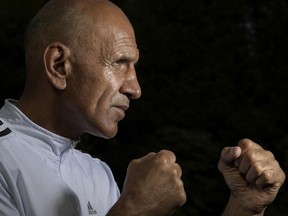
(123, 107)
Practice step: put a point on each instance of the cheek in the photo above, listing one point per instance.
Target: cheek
(96, 104)
(104, 117)
(94, 97)
(106, 94)
(102, 121)
(103, 102)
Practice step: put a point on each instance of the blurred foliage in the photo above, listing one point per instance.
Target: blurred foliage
(212, 72)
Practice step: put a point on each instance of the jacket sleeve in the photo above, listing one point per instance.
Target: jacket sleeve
(7, 203)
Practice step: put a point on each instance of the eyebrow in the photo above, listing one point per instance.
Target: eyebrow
(126, 56)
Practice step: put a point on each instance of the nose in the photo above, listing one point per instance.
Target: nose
(131, 86)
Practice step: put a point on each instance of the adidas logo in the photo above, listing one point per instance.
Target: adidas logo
(91, 211)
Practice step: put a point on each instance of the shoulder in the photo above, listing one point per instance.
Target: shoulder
(5, 131)
(8, 140)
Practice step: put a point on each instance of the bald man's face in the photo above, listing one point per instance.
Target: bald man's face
(103, 79)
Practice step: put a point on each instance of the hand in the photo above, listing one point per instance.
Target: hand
(253, 176)
(153, 186)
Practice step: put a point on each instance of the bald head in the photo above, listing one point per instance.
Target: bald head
(80, 57)
(68, 22)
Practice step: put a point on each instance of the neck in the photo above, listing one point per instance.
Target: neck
(49, 114)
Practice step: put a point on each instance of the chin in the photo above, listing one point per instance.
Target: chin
(105, 134)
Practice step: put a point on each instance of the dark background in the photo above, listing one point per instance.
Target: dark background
(212, 72)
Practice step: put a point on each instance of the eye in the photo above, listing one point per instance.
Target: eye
(120, 61)
(124, 61)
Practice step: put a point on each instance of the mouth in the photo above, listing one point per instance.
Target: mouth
(121, 109)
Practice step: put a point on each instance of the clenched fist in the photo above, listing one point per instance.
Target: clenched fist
(253, 176)
(153, 186)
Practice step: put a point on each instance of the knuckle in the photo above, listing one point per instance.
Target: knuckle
(182, 198)
(253, 173)
(251, 155)
(257, 168)
(245, 142)
(267, 175)
(134, 162)
(173, 171)
(269, 154)
(282, 177)
(177, 169)
(159, 160)
(166, 153)
(181, 194)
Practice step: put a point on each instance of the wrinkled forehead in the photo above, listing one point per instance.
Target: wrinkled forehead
(119, 43)
(108, 31)
(117, 34)
(112, 28)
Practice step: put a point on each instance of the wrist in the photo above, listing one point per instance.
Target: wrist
(236, 207)
(125, 207)
(120, 208)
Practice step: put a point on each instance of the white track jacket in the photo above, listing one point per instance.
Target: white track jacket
(42, 174)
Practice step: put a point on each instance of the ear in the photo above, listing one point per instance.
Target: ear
(57, 64)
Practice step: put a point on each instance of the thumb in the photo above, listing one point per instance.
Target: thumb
(228, 156)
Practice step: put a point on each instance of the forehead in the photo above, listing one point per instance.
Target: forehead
(117, 40)
(122, 42)
(112, 31)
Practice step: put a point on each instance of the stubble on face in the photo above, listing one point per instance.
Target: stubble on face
(99, 73)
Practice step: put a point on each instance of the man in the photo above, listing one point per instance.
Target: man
(80, 57)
